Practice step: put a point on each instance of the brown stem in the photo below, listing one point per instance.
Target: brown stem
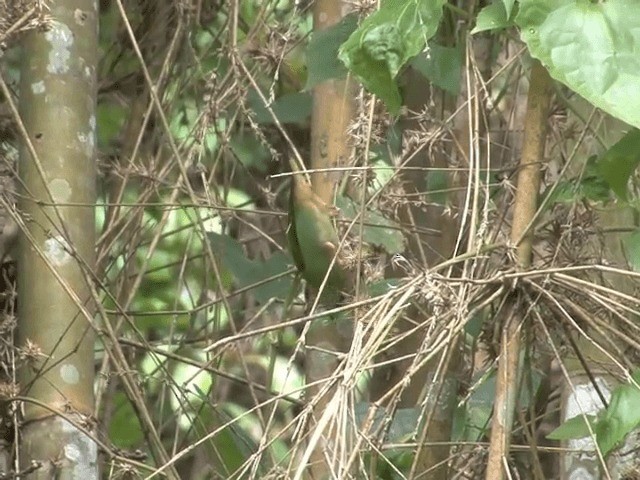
(529, 174)
(333, 109)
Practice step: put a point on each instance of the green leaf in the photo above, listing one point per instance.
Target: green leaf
(378, 230)
(233, 444)
(618, 164)
(231, 451)
(393, 464)
(479, 407)
(289, 108)
(161, 266)
(492, 17)
(287, 379)
(592, 47)
(204, 40)
(620, 418)
(632, 250)
(474, 326)
(276, 264)
(110, 117)
(124, 429)
(322, 52)
(386, 40)
(437, 186)
(250, 151)
(591, 186)
(247, 272)
(573, 428)
(194, 385)
(404, 422)
(441, 66)
(381, 287)
(382, 171)
(508, 6)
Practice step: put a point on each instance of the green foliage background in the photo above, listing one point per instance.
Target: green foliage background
(198, 278)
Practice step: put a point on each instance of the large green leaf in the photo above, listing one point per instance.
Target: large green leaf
(124, 429)
(382, 287)
(438, 186)
(399, 428)
(592, 188)
(612, 425)
(508, 6)
(233, 444)
(322, 52)
(386, 41)
(574, 427)
(441, 66)
(589, 186)
(378, 230)
(619, 162)
(289, 108)
(111, 119)
(251, 152)
(632, 250)
(247, 272)
(620, 418)
(592, 47)
(492, 17)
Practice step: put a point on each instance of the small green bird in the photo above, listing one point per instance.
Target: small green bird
(313, 240)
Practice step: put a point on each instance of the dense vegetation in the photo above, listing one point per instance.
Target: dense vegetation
(332, 239)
